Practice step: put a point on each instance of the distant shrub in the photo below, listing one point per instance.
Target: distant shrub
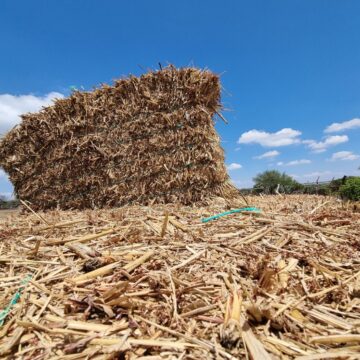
(351, 189)
(8, 204)
(335, 184)
(269, 180)
(324, 190)
(246, 191)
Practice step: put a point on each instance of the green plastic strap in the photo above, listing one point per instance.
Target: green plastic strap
(214, 217)
(14, 300)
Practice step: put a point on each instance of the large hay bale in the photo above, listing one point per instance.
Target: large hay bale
(142, 140)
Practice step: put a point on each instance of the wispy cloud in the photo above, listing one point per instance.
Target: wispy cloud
(325, 175)
(234, 166)
(346, 125)
(318, 174)
(12, 106)
(321, 146)
(294, 162)
(344, 155)
(268, 155)
(283, 137)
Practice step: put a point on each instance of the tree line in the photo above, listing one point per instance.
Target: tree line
(8, 204)
(273, 182)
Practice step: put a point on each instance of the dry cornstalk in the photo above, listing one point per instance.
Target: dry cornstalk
(139, 294)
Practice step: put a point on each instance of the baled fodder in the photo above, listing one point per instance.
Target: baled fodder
(142, 140)
(156, 283)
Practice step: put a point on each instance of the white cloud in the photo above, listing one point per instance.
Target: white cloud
(294, 162)
(346, 125)
(282, 137)
(2, 174)
(344, 155)
(245, 184)
(298, 162)
(321, 146)
(234, 166)
(268, 155)
(7, 195)
(11, 106)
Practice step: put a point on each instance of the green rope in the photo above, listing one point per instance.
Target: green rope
(14, 300)
(214, 217)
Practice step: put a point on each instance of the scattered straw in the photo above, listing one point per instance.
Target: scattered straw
(156, 283)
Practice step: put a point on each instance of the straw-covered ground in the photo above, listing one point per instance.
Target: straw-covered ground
(156, 283)
(5, 213)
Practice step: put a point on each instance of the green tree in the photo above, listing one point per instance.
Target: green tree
(351, 189)
(269, 180)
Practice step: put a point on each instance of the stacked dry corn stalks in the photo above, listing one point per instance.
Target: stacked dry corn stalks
(142, 140)
(155, 283)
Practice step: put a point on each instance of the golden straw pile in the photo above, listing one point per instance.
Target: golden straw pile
(142, 140)
(156, 283)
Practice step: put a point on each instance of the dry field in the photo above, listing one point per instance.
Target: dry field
(156, 283)
(6, 213)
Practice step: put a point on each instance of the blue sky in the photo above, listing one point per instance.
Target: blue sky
(292, 65)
